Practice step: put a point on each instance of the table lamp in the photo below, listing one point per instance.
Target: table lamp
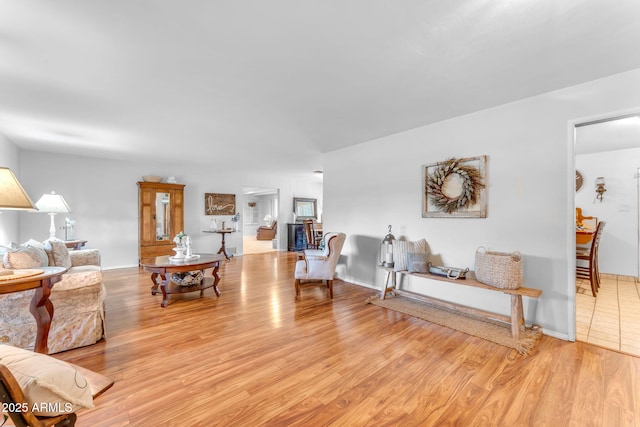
(13, 197)
(52, 204)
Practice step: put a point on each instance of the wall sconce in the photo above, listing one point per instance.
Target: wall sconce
(600, 188)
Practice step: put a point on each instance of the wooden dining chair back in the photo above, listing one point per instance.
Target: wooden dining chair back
(310, 234)
(589, 257)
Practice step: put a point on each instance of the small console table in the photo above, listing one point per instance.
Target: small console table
(161, 266)
(517, 312)
(223, 248)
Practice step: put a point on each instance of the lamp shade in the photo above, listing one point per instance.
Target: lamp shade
(12, 195)
(52, 203)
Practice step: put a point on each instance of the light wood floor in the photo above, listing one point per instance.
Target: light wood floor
(612, 319)
(251, 245)
(254, 356)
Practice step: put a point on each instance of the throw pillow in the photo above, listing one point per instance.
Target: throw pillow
(58, 253)
(50, 386)
(26, 257)
(400, 250)
(418, 262)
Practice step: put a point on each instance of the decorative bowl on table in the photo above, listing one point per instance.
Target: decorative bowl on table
(152, 178)
(179, 252)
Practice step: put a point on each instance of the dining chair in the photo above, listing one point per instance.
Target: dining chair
(320, 265)
(589, 256)
(580, 220)
(310, 234)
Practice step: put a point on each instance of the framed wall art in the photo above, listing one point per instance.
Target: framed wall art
(219, 204)
(455, 188)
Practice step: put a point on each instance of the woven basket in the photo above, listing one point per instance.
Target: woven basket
(187, 278)
(499, 269)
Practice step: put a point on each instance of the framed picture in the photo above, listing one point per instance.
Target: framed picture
(305, 208)
(219, 204)
(455, 188)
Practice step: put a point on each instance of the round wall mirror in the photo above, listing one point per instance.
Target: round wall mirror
(578, 180)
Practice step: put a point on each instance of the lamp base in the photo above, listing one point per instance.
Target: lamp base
(52, 228)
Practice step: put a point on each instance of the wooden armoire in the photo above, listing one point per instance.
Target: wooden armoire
(160, 217)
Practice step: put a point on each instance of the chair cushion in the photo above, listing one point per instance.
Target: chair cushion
(79, 277)
(301, 270)
(50, 386)
(58, 253)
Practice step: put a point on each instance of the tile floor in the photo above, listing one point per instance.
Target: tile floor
(612, 319)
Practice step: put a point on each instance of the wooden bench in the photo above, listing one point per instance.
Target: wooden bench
(517, 313)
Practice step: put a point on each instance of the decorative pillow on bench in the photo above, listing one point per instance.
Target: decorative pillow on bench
(401, 249)
(418, 262)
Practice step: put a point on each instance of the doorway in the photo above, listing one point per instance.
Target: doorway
(608, 151)
(260, 207)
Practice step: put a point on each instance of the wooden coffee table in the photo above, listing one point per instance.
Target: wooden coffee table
(162, 266)
(41, 307)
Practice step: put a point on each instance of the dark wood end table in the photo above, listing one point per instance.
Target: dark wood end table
(223, 247)
(160, 267)
(41, 307)
(75, 244)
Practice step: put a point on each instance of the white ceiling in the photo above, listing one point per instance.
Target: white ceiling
(608, 135)
(284, 80)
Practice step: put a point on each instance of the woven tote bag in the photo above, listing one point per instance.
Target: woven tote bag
(499, 269)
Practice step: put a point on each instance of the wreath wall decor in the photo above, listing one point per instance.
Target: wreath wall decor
(468, 198)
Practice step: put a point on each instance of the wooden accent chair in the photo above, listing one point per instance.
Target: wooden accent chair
(320, 265)
(590, 255)
(267, 232)
(12, 396)
(580, 219)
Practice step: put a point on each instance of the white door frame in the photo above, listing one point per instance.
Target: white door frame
(571, 205)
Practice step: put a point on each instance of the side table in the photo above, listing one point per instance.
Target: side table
(223, 248)
(75, 244)
(41, 307)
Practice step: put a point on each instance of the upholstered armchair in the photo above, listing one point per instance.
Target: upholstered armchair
(267, 232)
(78, 299)
(320, 265)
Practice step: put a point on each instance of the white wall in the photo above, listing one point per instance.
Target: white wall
(530, 185)
(103, 196)
(618, 252)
